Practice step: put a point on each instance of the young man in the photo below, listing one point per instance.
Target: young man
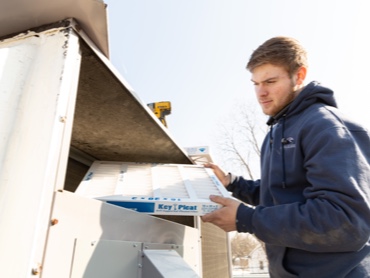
(312, 204)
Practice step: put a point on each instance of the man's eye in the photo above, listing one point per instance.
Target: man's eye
(270, 81)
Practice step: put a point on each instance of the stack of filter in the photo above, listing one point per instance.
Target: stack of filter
(167, 189)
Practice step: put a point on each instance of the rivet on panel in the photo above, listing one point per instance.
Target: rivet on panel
(54, 221)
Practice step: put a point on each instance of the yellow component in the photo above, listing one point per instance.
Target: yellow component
(161, 110)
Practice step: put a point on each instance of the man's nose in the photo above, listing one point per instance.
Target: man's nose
(261, 90)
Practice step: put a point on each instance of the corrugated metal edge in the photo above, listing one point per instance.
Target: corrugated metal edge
(21, 15)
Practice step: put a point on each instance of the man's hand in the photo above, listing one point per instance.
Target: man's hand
(225, 217)
(220, 174)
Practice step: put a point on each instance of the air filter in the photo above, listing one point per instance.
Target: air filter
(163, 189)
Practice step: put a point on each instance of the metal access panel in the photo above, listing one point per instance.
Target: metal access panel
(117, 259)
(106, 258)
(163, 189)
(100, 227)
(165, 264)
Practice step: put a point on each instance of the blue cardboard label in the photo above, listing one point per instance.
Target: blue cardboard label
(136, 206)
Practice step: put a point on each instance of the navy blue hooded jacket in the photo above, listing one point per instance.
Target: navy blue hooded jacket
(312, 204)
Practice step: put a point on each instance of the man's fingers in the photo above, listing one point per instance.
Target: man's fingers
(209, 165)
(208, 217)
(225, 216)
(218, 199)
(212, 215)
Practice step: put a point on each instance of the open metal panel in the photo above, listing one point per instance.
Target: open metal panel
(21, 15)
(112, 123)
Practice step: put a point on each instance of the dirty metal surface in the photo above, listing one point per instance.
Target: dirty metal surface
(111, 122)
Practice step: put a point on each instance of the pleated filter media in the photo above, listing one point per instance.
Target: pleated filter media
(163, 189)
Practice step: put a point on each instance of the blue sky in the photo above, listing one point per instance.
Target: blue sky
(193, 53)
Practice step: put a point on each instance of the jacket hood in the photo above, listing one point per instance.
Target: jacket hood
(311, 93)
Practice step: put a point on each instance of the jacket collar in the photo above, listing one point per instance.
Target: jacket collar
(274, 119)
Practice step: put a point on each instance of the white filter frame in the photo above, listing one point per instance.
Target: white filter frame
(163, 189)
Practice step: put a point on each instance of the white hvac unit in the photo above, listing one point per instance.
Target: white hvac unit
(162, 189)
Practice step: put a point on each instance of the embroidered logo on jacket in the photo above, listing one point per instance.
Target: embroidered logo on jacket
(288, 142)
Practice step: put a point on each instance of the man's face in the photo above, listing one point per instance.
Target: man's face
(274, 88)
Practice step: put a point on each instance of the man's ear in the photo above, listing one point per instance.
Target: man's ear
(301, 75)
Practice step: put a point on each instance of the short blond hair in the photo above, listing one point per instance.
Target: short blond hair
(279, 51)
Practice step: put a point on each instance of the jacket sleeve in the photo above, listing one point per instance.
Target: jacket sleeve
(335, 213)
(245, 190)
